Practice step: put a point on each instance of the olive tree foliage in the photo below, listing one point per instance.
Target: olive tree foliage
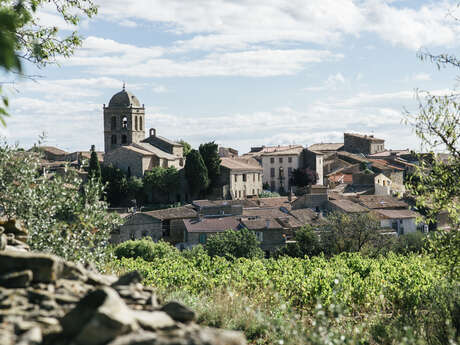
(435, 184)
(349, 232)
(63, 215)
(23, 37)
(234, 244)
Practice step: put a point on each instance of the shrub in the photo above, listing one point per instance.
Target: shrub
(234, 244)
(64, 216)
(145, 249)
(307, 244)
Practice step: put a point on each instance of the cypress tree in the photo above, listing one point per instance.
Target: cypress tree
(196, 172)
(94, 169)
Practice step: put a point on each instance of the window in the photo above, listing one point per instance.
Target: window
(135, 123)
(272, 186)
(258, 177)
(114, 139)
(272, 172)
(239, 194)
(272, 160)
(140, 123)
(236, 178)
(280, 159)
(124, 139)
(289, 171)
(253, 177)
(132, 236)
(114, 123)
(289, 159)
(124, 122)
(202, 238)
(244, 177)
(260, 236)
(166, 228)
(181, 162)
(253, 192)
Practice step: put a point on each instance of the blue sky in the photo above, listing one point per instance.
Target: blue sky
(242, 73)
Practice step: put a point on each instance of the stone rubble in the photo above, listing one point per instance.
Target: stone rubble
(45, 300)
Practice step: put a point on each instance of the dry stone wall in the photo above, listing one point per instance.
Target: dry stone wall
(45, 300)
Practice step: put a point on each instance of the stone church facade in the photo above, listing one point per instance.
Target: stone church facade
(126, 146)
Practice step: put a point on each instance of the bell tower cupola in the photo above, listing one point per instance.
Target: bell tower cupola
(124, 120)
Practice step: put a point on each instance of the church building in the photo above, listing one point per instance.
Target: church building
(126, 146)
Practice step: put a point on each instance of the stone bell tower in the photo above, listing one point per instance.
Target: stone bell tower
(124, 121)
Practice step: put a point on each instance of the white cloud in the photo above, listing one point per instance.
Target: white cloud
(332, 83)
(77, 123)
(225, 24)
(107, 57)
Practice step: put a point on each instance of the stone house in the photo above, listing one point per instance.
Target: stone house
(240, 178)
(278, 162)
(124, 138)
(326, 148)
(382, 185)
(198, 229)
(365, 144)
(313, 160)
(166, 224)
(401, 221)
(218, 207)
(316, 198)
(269, 233)
(345, 206)
(52, 153)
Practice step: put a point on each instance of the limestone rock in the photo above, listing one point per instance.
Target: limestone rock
(129, 278)
(153, 320)
(18, 279)
(178, 312)
(45, 268)
(98, 318)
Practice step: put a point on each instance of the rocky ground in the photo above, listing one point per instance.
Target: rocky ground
(46, 300)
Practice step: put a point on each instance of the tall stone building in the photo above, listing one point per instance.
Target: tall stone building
(124, 121)
(365, 144)
(124, 138)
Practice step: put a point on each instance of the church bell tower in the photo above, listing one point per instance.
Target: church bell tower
(124, 121)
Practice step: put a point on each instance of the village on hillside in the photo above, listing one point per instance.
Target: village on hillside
(271, 190)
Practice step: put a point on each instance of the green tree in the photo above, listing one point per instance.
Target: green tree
(187, 147)
(210, 153)
(234, 244)
(435, 183)
(94, 169)
(64, 216)
(116, 185)
(306, 244)
(196, 173)
(349, 232)
(24, 38)
(303, 177)
(164, 180)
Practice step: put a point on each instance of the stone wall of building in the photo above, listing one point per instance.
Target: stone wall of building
(126, 160)
(365, 144)
(245, 183)
(279, 163)
(132, 133)
(138, 226)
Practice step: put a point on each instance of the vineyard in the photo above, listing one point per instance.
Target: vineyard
(344, 299)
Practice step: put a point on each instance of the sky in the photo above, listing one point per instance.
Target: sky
(241, 73)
